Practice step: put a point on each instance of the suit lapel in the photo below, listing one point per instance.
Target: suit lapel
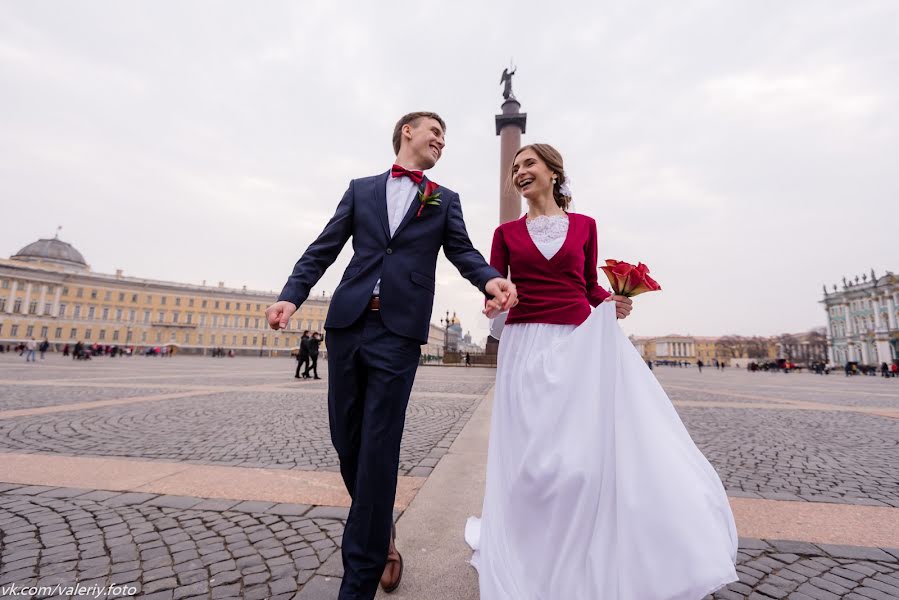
(413, 208)
(381, 202)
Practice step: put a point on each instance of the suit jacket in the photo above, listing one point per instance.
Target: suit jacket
(405, 263)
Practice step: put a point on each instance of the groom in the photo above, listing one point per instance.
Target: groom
(379, 317)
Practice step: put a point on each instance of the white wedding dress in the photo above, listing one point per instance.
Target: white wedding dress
(595, 490)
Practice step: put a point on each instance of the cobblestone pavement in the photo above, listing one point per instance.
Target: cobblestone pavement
(775, 569)
(179, 547)
(283, 427)
(184, 547)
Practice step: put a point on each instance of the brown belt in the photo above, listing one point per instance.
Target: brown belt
(374, 303)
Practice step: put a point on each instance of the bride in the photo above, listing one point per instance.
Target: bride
(595, 490)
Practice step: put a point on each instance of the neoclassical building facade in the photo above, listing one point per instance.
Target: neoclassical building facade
(862, 320)
(48, 291)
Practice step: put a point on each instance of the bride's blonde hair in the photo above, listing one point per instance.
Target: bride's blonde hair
(552, 159)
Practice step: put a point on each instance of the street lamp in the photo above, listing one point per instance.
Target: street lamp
(446, 325)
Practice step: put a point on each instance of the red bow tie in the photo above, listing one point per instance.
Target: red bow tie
(398, 171)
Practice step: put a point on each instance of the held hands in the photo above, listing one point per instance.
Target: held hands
(279, 313)
(505, 296)
(623, 305)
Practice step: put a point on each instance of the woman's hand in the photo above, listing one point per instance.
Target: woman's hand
(623, 305)
(493, 309)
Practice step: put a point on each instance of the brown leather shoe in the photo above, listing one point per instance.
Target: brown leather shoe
(393, 571)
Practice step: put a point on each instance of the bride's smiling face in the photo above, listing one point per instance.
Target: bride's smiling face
(531, 176)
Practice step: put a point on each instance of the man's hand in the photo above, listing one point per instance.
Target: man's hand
(623, 305)
(503, 291)
(279, 313)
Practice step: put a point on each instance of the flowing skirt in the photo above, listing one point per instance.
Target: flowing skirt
(595, 490)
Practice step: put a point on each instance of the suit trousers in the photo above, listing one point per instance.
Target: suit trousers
(370, 375)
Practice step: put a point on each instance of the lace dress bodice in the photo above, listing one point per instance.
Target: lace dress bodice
(548, 233)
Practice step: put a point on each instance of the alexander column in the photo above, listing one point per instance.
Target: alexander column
(509, 127)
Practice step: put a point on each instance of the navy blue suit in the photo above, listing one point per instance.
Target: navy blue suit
(373, 355)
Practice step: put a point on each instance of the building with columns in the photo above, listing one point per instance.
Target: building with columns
(862, 320)
(47, 290)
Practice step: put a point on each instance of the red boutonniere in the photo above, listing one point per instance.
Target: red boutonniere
(628, 280)
(426, 195)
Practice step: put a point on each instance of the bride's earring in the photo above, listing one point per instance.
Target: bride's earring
(555, 179)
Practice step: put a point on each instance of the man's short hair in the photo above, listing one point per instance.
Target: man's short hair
(412, 119)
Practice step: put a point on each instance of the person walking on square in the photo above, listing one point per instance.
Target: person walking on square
(313, 344)
(45, 345)
(378, 319)
(30, 345)
(699, 364)
(303, 356)
(594, 489)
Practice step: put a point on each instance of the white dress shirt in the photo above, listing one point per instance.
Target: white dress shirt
(400, 194)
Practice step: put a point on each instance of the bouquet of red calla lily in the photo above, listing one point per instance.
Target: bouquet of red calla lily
(628, 280)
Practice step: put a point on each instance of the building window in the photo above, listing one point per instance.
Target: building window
(246, 322)
(164, 300)
(255, 340)
(32, 307)
(6, 284)
(15, 331)
(258, 307)
(79, 293)
(58, 333)
(178, 301)
(215, 320)
(224, 320)
(190, 302)
(73, 334)
(107, 296)
(17, 305)
(199, 338)
(233, 340)
(121, 296)
(161, 316)
(237, 306)
(146, 316)
(93, 294)
(118, 314)
(105, 314)
(77, 314)
(244, 340)
(143, 337)
(277, 341)
(149, 299)
(256, 323)
(62, 310)
(186, 337)
(227, 306)
(2, 304)
(91, 311)
(216, 303)
(190, 318)
(202, 320)
(212, 339)
(134, 298)
(132, 314)
(48, 307)
(44, 331)
(29, 331)
(102, 334)
(203, 305)
(175, 316)
(115, 335)
(128, 336)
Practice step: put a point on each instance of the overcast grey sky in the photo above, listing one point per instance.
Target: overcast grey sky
(746, 151)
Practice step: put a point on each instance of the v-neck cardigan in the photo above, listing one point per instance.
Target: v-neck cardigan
(559, 290)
